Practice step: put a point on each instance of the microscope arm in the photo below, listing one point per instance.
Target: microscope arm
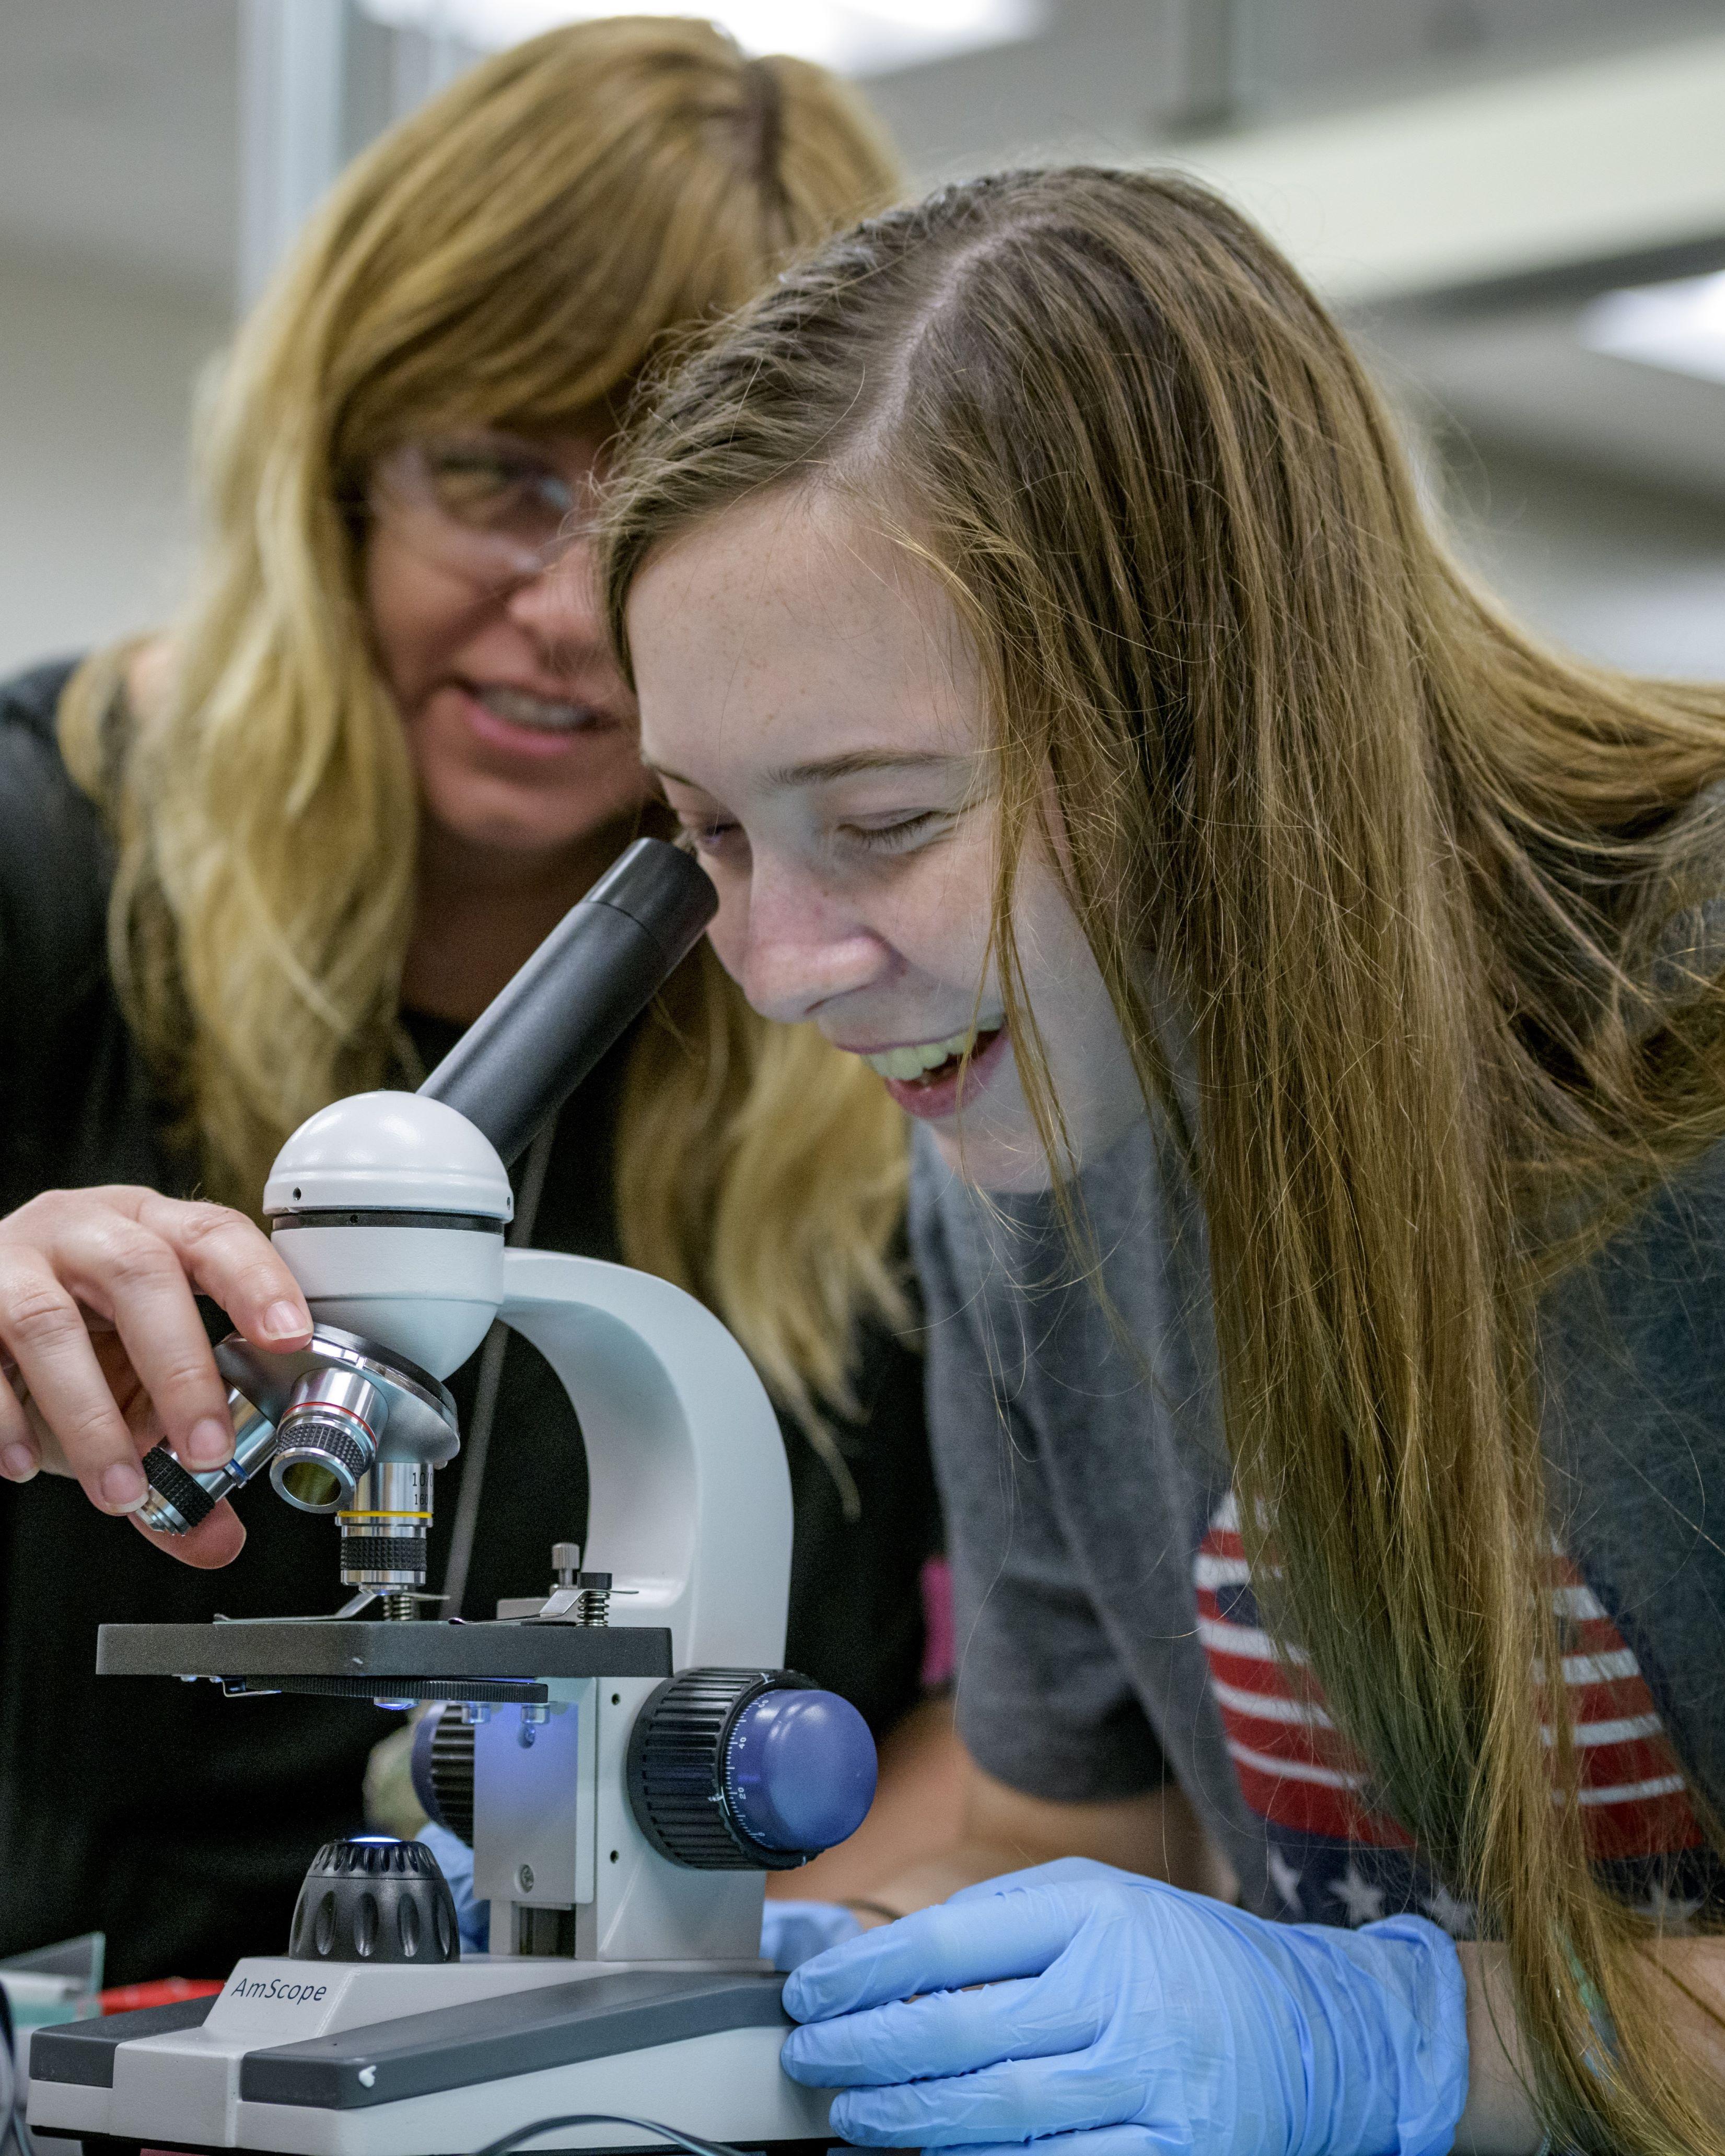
(689, 1498)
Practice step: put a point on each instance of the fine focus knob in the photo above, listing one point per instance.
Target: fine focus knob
(799, 1770)
(374, 1899)
(748, 1770)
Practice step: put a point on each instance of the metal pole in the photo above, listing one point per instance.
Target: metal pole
(292, 84)
(1209, 87)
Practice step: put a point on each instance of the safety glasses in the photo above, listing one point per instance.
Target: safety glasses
(493, 509)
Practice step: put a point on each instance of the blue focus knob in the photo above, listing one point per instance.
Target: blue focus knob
(747, 1770)
(799, 1770)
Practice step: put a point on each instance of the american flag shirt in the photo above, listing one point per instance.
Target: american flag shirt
(1333, 1858)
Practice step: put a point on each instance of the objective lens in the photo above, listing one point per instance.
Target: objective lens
(179, 1500)
(384, 1530)
(327, 1440)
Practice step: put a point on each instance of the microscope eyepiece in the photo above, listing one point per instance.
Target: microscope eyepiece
(587, 982)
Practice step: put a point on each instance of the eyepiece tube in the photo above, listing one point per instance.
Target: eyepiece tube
(595, 973)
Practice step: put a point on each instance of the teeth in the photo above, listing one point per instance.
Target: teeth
(902, 1063)
(521, 708)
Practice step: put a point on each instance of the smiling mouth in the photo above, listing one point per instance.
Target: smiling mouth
(931, 1062)
(540, 714)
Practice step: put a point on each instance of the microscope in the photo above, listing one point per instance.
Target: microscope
(625, 1756)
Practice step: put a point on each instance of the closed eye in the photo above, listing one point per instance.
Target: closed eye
(895, 838)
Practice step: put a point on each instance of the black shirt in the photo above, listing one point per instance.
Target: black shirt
(175, 1820)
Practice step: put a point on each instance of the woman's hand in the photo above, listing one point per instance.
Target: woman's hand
(103, 1353)
(1134, 2018)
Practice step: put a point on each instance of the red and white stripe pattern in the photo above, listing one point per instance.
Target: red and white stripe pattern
(1296, 1774)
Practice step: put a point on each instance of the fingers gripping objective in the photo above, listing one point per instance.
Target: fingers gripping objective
(97, 1304)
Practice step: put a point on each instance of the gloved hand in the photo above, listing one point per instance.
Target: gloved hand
(793, 1932)
(1139, 2017)
(473, 1919)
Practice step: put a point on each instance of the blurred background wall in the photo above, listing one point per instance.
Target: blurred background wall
(1470, 181)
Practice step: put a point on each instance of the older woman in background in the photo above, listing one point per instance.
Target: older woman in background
(289, 850)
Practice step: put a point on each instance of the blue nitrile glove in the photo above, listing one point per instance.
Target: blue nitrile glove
(1136, 2018)
(473, 1919)
(793, 1932)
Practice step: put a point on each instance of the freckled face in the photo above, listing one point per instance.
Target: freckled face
(816, 714)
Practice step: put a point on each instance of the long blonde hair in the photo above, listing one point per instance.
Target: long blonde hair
(1405, 868)
(512, 254)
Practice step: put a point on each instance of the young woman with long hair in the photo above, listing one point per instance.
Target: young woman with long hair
(290, 849)
(1309, 989)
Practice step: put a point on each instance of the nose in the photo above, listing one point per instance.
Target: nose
(797, 945)
(559, 608)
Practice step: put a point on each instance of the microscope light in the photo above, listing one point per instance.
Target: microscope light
(373, 1898)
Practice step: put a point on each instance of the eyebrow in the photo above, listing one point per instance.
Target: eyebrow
(783, 777)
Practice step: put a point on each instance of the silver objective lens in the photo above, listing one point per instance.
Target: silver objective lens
(327, 1440)
(181, 1498)
(383, 1531)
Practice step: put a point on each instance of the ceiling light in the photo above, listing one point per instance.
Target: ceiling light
(854, 37)
(1679, 326)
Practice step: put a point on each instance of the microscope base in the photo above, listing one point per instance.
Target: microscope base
(430, 2061)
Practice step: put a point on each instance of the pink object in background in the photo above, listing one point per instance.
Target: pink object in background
(163, 1991)
(939, 1646)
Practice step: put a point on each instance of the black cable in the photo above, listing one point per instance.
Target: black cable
(690, 2142)
(491, 1378)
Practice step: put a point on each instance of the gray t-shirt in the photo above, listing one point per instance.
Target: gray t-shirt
(1106, 1630)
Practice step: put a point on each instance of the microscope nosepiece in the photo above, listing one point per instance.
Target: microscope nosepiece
(327, 1440)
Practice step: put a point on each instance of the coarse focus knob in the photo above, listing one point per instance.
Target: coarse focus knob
(442, 1768)
(748, 1770)
(374, 1899)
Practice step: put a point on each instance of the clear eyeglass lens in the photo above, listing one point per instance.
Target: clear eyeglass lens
(489, 490)
(493, 509)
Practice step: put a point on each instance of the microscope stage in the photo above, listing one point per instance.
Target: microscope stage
(430, 1660)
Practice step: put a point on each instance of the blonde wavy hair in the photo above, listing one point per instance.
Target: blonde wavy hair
(510, 255)
(1408, 872)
